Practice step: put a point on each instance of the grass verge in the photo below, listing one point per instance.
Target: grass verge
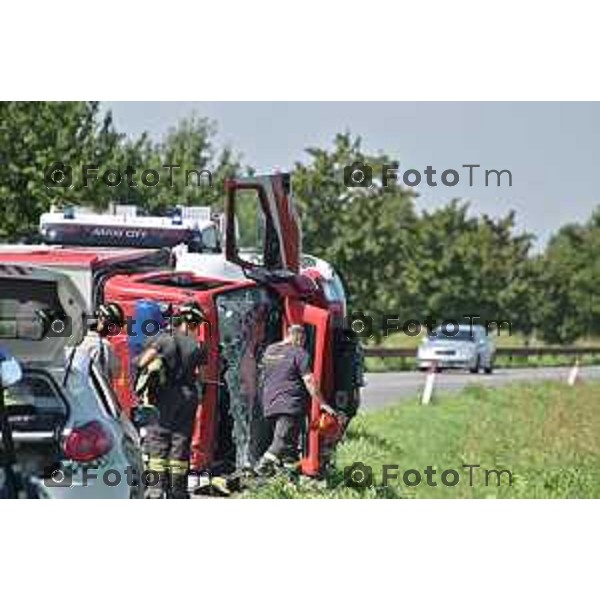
(546, 434)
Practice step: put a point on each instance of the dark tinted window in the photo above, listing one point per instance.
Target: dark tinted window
(26, 311)
(185, 282)
(34, 393)
(461, 335)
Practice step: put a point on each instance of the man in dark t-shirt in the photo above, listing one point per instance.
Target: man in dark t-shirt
(287, 385)
(176, 396)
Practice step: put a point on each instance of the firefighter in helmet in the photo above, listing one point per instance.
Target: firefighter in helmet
(96, 345)
(175, 358)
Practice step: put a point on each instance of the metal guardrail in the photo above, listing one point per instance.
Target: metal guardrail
(510, 351)
(390, 352)
(547, 351)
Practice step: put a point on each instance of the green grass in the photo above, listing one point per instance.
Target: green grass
(547, 435)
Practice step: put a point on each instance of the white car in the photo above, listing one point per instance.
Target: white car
(468, 347)
(70, 438)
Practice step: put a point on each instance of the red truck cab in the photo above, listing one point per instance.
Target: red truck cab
(242, 318)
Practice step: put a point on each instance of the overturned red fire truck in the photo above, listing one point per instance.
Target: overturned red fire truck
(243, 316)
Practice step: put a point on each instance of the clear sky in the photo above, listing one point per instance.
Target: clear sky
(552, 149)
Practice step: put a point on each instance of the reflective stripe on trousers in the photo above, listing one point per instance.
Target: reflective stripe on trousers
(178, 467)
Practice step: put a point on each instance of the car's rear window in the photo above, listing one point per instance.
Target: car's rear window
(24, 309)
(460, 335)
(34, 394)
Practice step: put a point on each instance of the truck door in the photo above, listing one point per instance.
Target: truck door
(263, 236)
(318, 327)
(260, 218)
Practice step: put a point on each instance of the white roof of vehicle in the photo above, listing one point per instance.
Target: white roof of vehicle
(215, 265)
(207, 265)
(199, 219)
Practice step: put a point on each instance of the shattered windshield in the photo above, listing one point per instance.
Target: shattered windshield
(249, 320)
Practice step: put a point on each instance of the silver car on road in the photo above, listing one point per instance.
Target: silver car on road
(468, 347)
(70, 437)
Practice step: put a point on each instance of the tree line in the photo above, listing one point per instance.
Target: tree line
(393, 257)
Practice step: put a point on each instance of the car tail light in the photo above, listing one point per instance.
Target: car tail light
(88, 442)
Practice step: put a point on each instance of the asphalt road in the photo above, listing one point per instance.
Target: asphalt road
(384, 389)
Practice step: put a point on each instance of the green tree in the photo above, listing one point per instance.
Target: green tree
(36, 135)
(202, 167)
(569, 272)
(366, 233)
(33, 136)
(462, 265)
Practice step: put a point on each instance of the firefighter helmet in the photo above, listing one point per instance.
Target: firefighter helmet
(112, 312)
(191, 313)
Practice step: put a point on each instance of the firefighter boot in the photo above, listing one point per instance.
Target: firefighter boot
(179, 479)
(156, 479)
(179, 487)
(268, 465)
(155, 490)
